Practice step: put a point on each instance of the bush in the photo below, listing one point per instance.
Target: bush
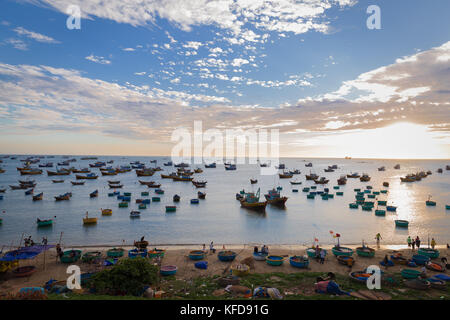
(129, 276)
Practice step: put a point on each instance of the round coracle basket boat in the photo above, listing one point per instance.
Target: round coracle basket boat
(197, 255)
(70, 256)
(299, 262)
(275, 260)
(227, 255)
(24, 271)
(342, 251)
(115, 252)
(365, 252)
(428, 252)
(240, 270)
(168, 270)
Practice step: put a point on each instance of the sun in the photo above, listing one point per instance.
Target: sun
(401, 140)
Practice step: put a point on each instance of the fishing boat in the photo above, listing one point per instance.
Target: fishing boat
(77, 183)
(182, 178)
(308, 164)
(353, 175)
(212, 165)
(62, 197)
(260, 256)
(430, 203)
(168, 164)
(57, 181)
(176, 198)
(342, 251)
(97, 164)
(197, 255)
(381, 168)
(133, 253)
(123, 204)
(230, 167)
(420, 260)
(62, 172)
(159, 191)
(397, 166)
(322, 180)
(251, 201)
(171, 208)
(253, 181)
(364, 178)
(226, 255)
(299, 262)
(274, 197)
(88, 220)
(410, 273)
(115, 253)
(135, 214)
(195, 201)
(108, 172)
(145, 173)
(113, 181)
(401, 223)
(115, 186)
(385, 184)
(25, 271)
(89, 176)
(275, 260)
(434, 266)
(83, 170)
(346, 260)
(240, 270)
(70, 256)
(365, 251)
(94, 194)
(429, 252)
(201, 195)
(168, 270)
(199, 184)
(285, 175)
(29, 192)
(311, 176)
(380, 212)
(296, 182)
(281, 166)
(106, 212)
(328, 170)
(391, 208)
(439, 170)
(38, 196)
(342, 180)
(44, 223)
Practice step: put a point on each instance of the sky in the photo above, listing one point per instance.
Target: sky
(138, 70)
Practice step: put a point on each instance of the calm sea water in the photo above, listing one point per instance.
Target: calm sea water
(219, 217)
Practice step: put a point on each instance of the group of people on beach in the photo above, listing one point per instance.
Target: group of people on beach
(28, 242)
(413, 243)
(264, 249)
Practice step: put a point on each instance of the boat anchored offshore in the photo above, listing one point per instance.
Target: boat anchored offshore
(274, 197)
(251, 201)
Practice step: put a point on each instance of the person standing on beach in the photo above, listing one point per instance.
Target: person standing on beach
(413, 245)
(417, 242)
(433, 243)
(211, 248)
(409, 241)
(378, 238)
(322, 256)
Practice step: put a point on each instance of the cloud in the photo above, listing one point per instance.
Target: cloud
(129, 49)
(34, 35)
(17, 44)
(98, 59)
(283, 16)
(239, 62)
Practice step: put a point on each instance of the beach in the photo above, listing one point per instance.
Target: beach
(49, 267)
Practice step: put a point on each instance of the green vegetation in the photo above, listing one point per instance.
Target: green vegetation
(128, 277)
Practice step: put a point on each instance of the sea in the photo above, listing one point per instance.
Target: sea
(219, 217)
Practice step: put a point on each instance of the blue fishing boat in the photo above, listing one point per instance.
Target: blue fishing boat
(94, 194)
(420, 259)
(197, 255)
(133, 253)
(195, 201)
(275, 260)
(259, 256)
(391, 208)
(299, 262)
(226, 255)
(401, 223)
(168, 270)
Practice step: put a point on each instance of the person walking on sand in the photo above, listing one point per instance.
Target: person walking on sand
(322, 256)
(378, 238)
(433, 243)
(211, 248)
(409, 241)
(413, 245)
(417, 242)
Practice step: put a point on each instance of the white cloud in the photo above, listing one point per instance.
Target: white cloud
(98, 59)
(17, 44)
(239, 62)
(34, 35)
(129, 49)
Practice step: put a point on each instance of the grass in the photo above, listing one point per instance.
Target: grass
(300, 286)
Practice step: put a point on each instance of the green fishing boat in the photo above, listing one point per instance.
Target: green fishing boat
(428, 252)
(123, 205)
(144, 193)
(382, 202)
(383, 191)
(371, 196)
(44, 223)
(339, 193)
(115, 252)
(70, 256)
(366, 207)
(401, 223)
(336, 187)
(353, 206)
(142, 206)
(365, 252)
(305, 189)
(127, 194)
(156, 199)
(410, 273)
(171, 208)
(357, 190)
(380, 212)
(310, 196)
(342, 251)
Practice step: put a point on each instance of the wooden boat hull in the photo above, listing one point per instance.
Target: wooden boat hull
(281, 201)
(254, 205)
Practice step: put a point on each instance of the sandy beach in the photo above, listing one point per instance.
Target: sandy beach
(49, 267)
